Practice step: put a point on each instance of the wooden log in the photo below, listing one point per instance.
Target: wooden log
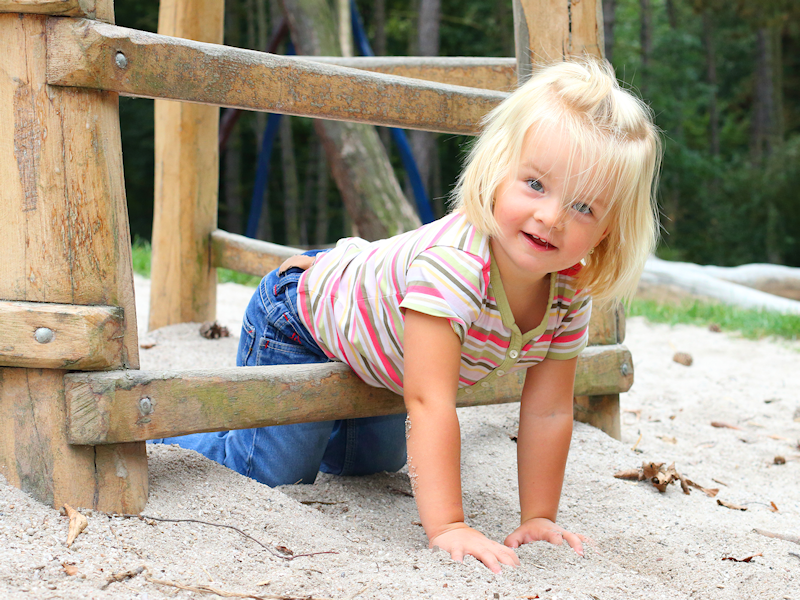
(485, 73)
(64, 239)
(607, 325)
(60, 336)
(550, 30)
(140, 405)
(601, 411)
(102, 10)
(85, 54)
(246, 255)
(184, 283)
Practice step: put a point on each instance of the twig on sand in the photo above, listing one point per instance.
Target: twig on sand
(781, 536)
(272, 551)
(122, 576)
(205, 589)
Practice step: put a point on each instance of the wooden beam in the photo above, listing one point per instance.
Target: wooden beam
(183, 281)
(64, 239)
(60, 336)
(102, 10)
(601, 411)
(246, 255)
(608, 324)
(139, 405)
(485, 73)
(87, 54)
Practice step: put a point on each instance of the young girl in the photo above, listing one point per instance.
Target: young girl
(555, 201)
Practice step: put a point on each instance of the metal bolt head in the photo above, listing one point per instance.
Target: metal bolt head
(145, 406)
(121, 60)
(625, 369)
(43, 335)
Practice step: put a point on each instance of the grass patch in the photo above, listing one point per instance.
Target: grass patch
(752, 324)
(143, 252)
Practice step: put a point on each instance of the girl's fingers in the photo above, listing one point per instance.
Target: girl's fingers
(574, 542)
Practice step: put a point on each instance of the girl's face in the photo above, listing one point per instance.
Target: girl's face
(546, 224)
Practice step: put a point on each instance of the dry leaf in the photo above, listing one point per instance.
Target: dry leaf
(722, 425)
(779, 460)
(650, 470)
(748, 559)
(632, 474)
(714, 328)
(77, 523)
(711, 492)
(683, 358)
(147, 345)
(284, 549)
(774, 507)
(265, 582)
(668, 439)
(70, 569)
(730, 505)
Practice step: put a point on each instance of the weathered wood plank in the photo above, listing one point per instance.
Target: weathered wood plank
(109, 407)
(601, 411)
(102, 10)
(86, 54)
(246, 255)
(184, 284)
(608, 324)
(64, 239)
(498, 74)
(60, 336)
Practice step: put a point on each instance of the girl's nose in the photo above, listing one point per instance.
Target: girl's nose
(549, 212)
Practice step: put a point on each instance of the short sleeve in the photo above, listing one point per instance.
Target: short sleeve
(447, 282)
(572, 333)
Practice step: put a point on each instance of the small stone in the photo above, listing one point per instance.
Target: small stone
(32, 531)
(683, 358)
(779, 460)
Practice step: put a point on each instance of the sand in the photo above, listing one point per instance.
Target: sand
(647, 544)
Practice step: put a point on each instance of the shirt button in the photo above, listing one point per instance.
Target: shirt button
(468, 390)
(500, 372)
(513, 354)
(484, 384)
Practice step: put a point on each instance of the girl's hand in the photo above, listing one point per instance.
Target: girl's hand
(462, 540)
(541, 529)
(301, 261)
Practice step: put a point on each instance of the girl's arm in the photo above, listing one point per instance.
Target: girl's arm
(432, 356)
(545, 431)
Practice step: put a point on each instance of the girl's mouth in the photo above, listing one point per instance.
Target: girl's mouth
(539, 242)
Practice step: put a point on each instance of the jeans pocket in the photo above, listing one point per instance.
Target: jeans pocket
(274, 348)
(247, 341)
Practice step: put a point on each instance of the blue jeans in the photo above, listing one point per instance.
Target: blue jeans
(272, 334)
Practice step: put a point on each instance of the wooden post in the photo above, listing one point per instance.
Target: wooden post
(64, 239)
(547, 31)
(186, 180)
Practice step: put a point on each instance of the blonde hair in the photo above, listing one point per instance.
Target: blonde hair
(609, 129)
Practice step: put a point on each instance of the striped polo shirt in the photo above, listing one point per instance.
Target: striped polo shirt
(352, 302)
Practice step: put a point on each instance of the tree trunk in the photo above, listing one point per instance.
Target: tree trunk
(609, 20)
(646, 40)
(764, 104)
(358, 161)
(423, 143)
(232, 199)
(321, 228)
(711, 75)
(672, 14)
(379, 24)
(291, 186)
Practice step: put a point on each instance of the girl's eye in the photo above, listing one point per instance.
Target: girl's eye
(582, 208)
(536, 185)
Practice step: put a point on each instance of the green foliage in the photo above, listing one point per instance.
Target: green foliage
(753, 324)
